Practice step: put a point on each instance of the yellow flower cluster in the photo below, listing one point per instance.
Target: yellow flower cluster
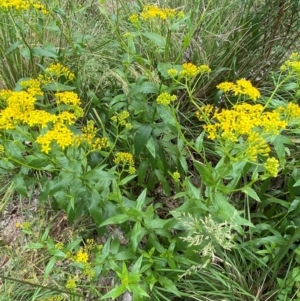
(247, 122)
(291, 112)
(88, 138)
(57, 70)
(123, 158)
(292, 65)
(242, 87)
(121, 119)
(23, 5)
(19, 109)
(60, 134)
(32, 86)
(176, 176)
(205, 112)
(1, 150)
(271, 167)
(189, 70)
(165, 99)
(71, 283)
(82, 257)
(151, 12)
(256, 146)
(134, 19)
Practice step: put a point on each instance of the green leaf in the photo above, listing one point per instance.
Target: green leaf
(57, 87)
(142, 171)
(141, 200)
(252, 193)
(34, 245)
(144, 88)
(228, 212)
(199, 142)
(57, 253)
(151, 147)
(163, 181)
(114, 293)
(166, 115)
(12, 47)
(168, 285)
(49, 267)
(125, 255)
(117, 219)
(137, 266)
(157, 39)
(42, 52)
(206, 173)
(141, 138)
(136, 235)
(156, 223)
(20, 185)
(127, 179)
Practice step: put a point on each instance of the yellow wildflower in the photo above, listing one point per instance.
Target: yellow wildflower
(124, 158)
(176, 176)
(134, 19)
(71, 283)
(82, 256)
(172, 72)
(242, 87)
(204, 69)
(204, 112)
(271, 167)
(189, 70)
(132, 170)
(32, 86)
(57, 70)
(165, 99)
(68, 98)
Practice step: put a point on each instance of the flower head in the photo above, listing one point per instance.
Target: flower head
(165, 99)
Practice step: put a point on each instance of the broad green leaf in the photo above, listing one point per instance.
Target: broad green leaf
(151, 146)
(142, 171)
(20, 185)
(227, 212)
(49, 267)
(166, 115)
(144, 88)
(252, 193)
(157, 39)
(141, 200)
(163, 181)
(125, 255)
(42, 52)
(137, 266)
(206, 173)
(34, 245)
(136, 235)
(199, 142)
(114, 293)
(156, 223)
(294, 205)
(127, 179)
(141, 138)
(117, 219)
(57, 253)
(168, 285)
(12, 47)
(58, 87)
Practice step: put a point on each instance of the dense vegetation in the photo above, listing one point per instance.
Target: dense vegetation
(149, 151)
